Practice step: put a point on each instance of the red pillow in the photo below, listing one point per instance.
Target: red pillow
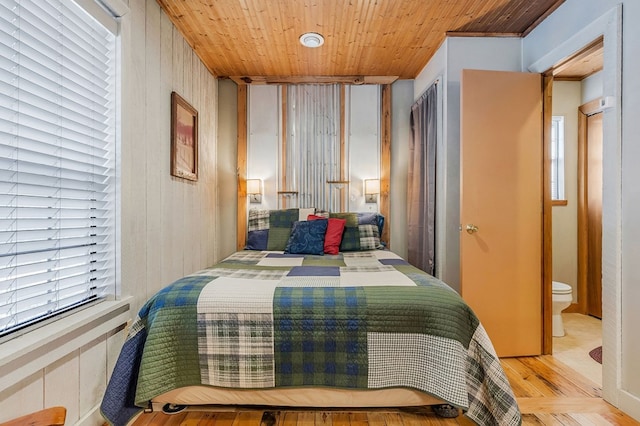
(333, 237)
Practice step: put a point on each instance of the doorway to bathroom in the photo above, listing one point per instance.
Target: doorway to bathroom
(577, 212)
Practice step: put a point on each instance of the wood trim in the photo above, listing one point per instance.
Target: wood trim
(547, 228)
(580, 78)
(591, 107)
(385, 162)
(582, 213)
(587, 51)
(574, 308)
(283, 159)
(241, 171)
(559, 202)
(315, 79)
(480, 34)
(584, 111)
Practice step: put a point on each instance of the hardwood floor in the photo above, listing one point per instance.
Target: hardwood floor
(548, 393)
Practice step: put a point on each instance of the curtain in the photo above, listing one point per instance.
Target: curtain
(421, 185)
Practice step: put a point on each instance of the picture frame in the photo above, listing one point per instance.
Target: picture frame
(184, 139)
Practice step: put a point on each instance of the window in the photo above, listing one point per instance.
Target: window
(57, 144)
(557, 158)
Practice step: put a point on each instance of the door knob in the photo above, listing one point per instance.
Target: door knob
(471, 228)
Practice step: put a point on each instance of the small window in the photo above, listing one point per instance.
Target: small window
(557, 158)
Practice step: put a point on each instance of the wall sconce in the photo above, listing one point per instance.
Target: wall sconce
(371, 190)
(254, 190)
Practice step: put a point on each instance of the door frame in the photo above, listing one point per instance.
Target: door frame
(584, 111)
(547, 222)
(547, 253)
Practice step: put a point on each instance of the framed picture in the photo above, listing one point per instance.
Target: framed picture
(184, 139)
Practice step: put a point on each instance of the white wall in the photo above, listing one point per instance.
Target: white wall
(573, 25)
(456, 54)
(168, 225)
(592, 87)
(566, 100)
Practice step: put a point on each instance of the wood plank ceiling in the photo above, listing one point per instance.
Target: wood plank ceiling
(583, 64)
(364, 39)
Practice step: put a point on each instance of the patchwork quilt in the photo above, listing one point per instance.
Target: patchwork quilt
(356, 320)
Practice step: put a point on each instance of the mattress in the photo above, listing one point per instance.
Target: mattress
(296, 397)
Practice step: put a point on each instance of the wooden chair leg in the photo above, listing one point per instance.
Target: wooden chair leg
(54, 416)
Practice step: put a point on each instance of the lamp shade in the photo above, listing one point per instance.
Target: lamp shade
(371, 186)
(254, 186)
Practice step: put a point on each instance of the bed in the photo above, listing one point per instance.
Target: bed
(290, 328)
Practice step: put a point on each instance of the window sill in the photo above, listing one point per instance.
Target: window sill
(559, 202)
(27, 354)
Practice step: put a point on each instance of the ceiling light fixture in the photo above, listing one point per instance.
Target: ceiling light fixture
(311, 40)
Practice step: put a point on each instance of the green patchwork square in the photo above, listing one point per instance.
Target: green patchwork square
(278, 238)
(320, 337)
(351, 218)
(428, 310)
(350, 239)
(280, 224)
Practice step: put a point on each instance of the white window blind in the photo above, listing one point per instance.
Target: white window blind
(557, 158)
(57, 154)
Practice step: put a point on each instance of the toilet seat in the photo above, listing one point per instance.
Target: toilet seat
(560, 288)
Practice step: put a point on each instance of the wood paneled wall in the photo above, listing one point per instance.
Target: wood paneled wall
(168, 223)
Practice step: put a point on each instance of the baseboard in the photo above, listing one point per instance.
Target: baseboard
(629, 403)
(573, 308)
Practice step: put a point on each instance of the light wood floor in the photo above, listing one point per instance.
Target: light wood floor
(548, 393)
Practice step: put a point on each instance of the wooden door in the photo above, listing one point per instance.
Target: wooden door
(594, 214)
(501, 154)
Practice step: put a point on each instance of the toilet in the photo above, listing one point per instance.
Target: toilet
(561, 299)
